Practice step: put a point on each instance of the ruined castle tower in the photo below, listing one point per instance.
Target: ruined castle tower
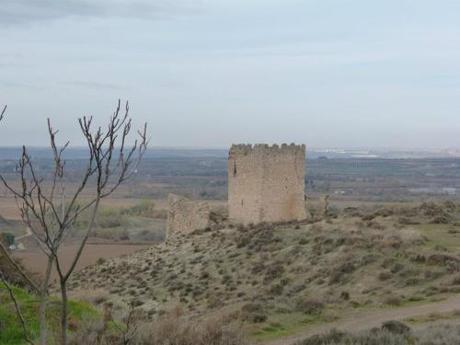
(266, 183)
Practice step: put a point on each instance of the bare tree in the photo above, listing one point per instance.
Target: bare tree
(50, 211)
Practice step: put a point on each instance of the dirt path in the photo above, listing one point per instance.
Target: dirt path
(27, 234)
(358, 321)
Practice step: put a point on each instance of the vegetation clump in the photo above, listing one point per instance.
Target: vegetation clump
(390, 333)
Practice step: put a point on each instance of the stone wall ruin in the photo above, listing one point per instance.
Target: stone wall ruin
(185, 215)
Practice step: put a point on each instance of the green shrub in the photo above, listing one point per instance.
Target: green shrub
(253, 312)
(145, 208)
(109, 218)
(391, 333)
(396, 327)
(393, 300)
(7, 238)
(309, 306)
(374, 337)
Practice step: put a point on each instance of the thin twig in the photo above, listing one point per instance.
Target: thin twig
(2, 113)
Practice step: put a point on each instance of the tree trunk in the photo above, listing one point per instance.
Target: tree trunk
(44, 303)
(64, 313)
(63, 278)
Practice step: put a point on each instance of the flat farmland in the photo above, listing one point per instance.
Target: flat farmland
(8, 208)
(35, 261)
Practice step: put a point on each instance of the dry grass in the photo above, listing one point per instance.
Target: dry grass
(391, 333)
(170, 329)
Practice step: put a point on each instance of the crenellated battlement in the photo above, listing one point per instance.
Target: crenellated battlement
(246, 149)
(266, 183)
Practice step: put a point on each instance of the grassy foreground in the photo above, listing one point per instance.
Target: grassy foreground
(11, 332)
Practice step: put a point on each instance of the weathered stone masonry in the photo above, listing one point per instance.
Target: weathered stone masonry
(266, 183)
(185, 215)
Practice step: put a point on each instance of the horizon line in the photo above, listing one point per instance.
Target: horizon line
(311, 148)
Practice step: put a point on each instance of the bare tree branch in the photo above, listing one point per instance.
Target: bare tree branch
(2, 113)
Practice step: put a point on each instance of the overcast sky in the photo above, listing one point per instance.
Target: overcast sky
(327, 73)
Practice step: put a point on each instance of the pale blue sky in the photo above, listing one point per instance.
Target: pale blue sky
(327, 73)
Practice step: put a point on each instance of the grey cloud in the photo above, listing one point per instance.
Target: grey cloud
(25, 11)
(14, 84)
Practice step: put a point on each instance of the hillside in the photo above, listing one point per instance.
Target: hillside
(280, 278)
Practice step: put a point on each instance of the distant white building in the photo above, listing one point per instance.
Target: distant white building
(433, 190)
(449, 190)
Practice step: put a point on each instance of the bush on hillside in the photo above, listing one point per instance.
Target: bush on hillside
(391, 333)
(171, 328)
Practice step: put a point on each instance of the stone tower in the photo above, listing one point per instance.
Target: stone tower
(266, 183)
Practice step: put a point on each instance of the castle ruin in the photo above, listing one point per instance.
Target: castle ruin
(185, 215)
(266, 183)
